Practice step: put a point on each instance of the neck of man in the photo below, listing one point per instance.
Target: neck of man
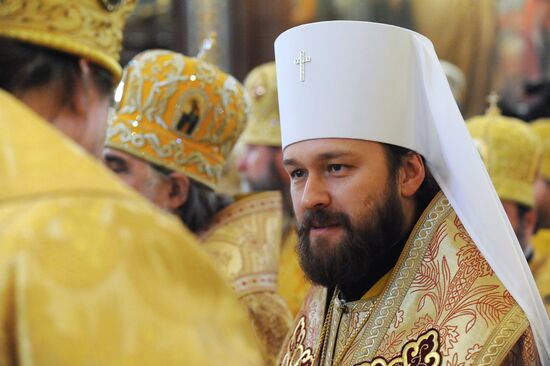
(355, 290)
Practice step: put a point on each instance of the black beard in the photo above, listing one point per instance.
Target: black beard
(365, 253)
(271, 182)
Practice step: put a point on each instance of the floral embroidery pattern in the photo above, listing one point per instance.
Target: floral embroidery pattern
(297, 354)
(423, 351)
(457, 295)
(453, 297)
(454, 361)
(399, 318)
(391, 342)
(473, 351)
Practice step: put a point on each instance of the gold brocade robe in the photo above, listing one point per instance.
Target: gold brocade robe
(244, 240)
(440, 305)
(293, 284)
(93, 274)
(540, 265)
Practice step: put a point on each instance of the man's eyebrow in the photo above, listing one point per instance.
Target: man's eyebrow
(335, 154)
(322, 157)
(287, 162)
(113, 159)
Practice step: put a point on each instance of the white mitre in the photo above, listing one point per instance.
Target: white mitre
(369, 81)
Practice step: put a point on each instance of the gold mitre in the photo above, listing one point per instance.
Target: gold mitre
(91, 29)
(542, 128)
(178, 112)
(263, 124)
(512, 153)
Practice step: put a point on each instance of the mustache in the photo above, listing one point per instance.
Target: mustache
(322, 218)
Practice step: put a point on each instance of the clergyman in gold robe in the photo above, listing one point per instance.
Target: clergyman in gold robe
(262, 169)
(512, 153)
(175, 123)
(398, 222)
(90, 272)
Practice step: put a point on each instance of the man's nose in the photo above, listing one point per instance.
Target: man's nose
(241, 163)
(315, 193)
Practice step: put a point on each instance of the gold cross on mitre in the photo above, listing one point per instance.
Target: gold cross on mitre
(301, 60)
(208, 44)
(493, 109)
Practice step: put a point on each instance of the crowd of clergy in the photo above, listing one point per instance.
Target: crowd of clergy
(325, 211)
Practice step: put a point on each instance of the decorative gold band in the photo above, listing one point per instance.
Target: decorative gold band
(255, 283)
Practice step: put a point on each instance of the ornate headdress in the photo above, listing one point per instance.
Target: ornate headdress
(542, 128)
(178, 112)
(511, 151)
(91, 29)
(263, 126)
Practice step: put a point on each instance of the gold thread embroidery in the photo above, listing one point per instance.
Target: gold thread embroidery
(504, 337)
(297, 354)
(422, 351)
(407, 267)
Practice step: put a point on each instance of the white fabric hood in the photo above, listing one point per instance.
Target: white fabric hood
(346, 79)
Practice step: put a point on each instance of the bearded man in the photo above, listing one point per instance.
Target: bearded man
(512, 153)
(399, 224)
(176, 162)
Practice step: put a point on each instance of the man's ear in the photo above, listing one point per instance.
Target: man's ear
(411, 174)
(179, 190)
(82, 90)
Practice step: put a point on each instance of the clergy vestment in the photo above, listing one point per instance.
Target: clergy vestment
(244, 241)
(293, 284)
(91, 273)
(441, 304)
(540, 265)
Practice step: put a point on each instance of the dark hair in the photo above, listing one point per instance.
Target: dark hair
(201, 205)
(429, 187)
(24, 66)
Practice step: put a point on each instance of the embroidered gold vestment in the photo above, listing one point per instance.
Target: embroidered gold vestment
(93, 274)
(245, 242)
(293, 284)
(440, 305)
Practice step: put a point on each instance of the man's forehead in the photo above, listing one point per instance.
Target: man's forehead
(110, 153)
(325, 148)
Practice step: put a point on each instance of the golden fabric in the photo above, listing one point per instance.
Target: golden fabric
(263, 126)
(442, 305)
(178, 112)
(244, 241)
(463, 32)
(92, 274)
(541, 241)
(511, 152)
(542, 129)
(91, 29)
(293, 283)
(540, 265)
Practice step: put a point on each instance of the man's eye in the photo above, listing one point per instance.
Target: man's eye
(118, 168)
(336, 168)
(297, 174)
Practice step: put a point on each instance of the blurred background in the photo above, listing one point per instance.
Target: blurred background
(485, 45)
